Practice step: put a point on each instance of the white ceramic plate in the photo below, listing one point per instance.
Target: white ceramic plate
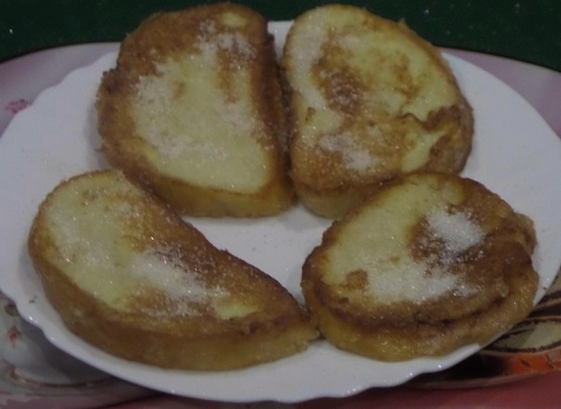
(515, 154)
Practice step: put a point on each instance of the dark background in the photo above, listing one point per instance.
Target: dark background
(525, 30)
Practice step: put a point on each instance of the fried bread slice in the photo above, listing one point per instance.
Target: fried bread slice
(126, 274)
(430, 263)
(194, 110)
(370, 101)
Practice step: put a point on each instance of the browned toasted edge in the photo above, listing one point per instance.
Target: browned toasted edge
(172, 343)
(356, 332)
(335, 201)
(187, 198)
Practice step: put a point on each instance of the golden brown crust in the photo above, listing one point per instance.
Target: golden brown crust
(499, 267)
(277, 327)
(323, 179)
(168, 35)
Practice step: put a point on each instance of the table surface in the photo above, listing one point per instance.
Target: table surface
(525, 30)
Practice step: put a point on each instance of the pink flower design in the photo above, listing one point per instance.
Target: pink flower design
(17, 105)
(13, 335)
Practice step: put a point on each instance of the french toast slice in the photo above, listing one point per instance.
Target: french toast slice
(126, 274)
(430, 263)
(194, 111)
(370, 101)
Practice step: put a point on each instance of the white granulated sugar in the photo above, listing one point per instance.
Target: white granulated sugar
(358, 160)
(165, 128)
(225, 41)
(375, 132)
(154, 97)
(456, 230)
(175, 132)
(208, 54)
(310, 44)
(313, 97)
(415, 282)
(207, 27)
(354, 157)
(240, 115)
(345, 98)
(235, 42)
(313, 40)
(75, 246)
(343, 92)
(167, 274)
(464, 290)
(210, 41)
(350, 41)
(89, 253)
(418, 281)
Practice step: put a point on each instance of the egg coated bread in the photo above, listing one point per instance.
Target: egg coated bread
(193, 110)
(429, 264)
(126, 274)
(369, 101)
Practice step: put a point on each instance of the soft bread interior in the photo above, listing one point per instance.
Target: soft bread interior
(212, 135)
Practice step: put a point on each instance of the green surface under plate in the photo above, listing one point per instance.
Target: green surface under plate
(525, 30)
